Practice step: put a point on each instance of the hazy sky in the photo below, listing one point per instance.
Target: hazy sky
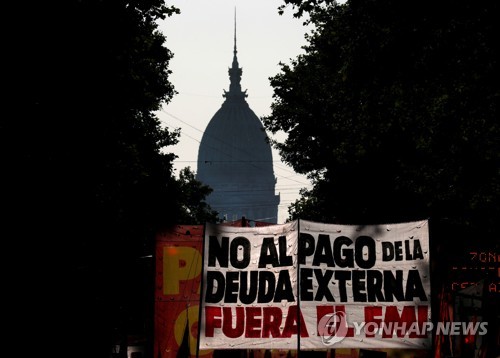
(201, 38)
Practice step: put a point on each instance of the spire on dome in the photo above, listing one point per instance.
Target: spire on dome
(235, 73)
(235, 51)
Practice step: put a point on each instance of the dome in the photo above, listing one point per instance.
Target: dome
(235, 159)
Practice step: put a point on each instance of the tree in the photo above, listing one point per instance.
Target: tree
(393, 112)
(194, 207)
(88, 180)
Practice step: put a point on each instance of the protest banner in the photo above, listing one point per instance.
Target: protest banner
(316, 286)
(365, 286)
(249, 294)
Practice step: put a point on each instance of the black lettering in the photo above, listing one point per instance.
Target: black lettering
(358, 286)
(218, 278)
(374, 280)
(417, 250)
(267, 284)
(398, 247)
(219, 251)
(408, 255)
(387, 251)
(284, 289)
(343, 257)
(248, 291)
(235, 245)
(285, 260)
(393, 286)
(361, 243)
(306, 247)
(306, 293)
(323, 253)
(414, 286)
(342, 277)
(268, 253)
(323, 284)
(232, 279)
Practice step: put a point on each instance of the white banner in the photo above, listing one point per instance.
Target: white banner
(360, 286)
(249, 296)
(365, 286)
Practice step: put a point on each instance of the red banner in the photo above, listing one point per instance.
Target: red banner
(178, 277)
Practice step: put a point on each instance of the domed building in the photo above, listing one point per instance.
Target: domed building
(235, 159)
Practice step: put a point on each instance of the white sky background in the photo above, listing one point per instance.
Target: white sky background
(201, 39)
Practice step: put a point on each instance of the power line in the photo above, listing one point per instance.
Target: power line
(282, 204)
(232, 161)
(251, 191)
(187, 135)
(229, 144)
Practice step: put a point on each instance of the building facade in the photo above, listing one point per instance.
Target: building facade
(235, 158)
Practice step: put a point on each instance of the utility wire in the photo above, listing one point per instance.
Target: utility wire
(245, 152)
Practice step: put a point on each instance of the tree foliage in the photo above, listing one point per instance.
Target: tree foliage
(195, 209)
(393, 112)
(88, 179)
